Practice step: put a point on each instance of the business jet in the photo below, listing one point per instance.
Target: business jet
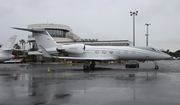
(92, 54)
(6, 49)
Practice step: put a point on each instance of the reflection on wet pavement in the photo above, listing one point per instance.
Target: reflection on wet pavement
(53, 87)
(98, 87)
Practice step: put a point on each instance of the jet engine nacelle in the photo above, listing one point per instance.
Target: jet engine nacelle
(74, 48)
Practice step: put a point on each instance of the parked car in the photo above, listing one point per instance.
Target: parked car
(132, 64)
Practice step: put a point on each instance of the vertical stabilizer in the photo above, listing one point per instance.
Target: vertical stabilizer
(45, 40)
(42, 37)
(10, 43)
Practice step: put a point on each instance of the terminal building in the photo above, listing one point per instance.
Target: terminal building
(64, 34)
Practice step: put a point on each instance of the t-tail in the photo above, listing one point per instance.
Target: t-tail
(42, 38)
(10, 43)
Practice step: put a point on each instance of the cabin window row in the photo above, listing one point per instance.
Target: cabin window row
(118, 52)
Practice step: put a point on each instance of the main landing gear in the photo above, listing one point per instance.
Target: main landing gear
(88, 66)
(156, 66)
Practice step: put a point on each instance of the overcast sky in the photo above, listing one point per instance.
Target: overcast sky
(97, 19)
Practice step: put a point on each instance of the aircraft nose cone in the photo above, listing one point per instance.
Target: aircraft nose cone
(167, 56)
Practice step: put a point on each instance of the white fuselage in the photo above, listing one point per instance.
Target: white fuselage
(116, 53)
(124, 53)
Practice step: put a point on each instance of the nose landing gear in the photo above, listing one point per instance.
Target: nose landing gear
(156, 65)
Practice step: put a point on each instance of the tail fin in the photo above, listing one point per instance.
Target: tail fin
(10, 43)
(42, 37)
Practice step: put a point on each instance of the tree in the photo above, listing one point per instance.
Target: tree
(22, 42)
(177, 53)
(174, 54)
(15, 52)
(16, 46)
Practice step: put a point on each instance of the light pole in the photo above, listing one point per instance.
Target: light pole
(133, 14)
(147, 24)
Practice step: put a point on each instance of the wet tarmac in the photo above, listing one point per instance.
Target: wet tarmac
(108, 84)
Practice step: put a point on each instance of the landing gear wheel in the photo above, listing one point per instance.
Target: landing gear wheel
(85, 67)
(92, 66)
(127, 66)
(156, 67)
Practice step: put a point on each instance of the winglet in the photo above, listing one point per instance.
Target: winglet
(45, 53)
(42, 37)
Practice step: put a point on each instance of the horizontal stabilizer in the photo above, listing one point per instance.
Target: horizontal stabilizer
(42, 37)
(30, 30)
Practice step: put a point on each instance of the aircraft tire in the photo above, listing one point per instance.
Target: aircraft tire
(156, 67)
(126, 66)
(85, 67)
(92, 66)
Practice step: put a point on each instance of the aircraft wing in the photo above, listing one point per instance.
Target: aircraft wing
(81, 58)
(46, 54)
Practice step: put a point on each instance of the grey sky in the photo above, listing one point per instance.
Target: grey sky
(97, 19)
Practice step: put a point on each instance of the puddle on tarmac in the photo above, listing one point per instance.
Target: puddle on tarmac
(44, 88)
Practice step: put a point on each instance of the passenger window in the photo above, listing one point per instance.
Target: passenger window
(125, 52)
(110, 52)
(96, 51)
(104, 52)
(133, 52)
(118, 52)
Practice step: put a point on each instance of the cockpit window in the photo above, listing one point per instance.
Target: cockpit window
(154, 49)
